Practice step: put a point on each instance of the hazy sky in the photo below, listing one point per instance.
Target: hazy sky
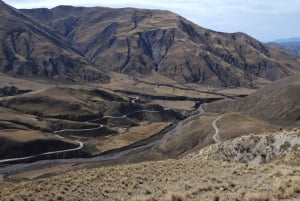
(265, 20)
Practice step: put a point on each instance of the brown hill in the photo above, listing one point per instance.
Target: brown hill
(278, 102)
(134, 40)
(78, 103)
(29, 49)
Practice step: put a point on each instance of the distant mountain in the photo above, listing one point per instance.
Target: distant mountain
(288, 40)
(76, 43)
(135, 40)
(293, 47)
(290, 44)
(31, 50)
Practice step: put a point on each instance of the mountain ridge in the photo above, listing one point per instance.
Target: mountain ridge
(130, 41)
(29, 49)
(286, 40)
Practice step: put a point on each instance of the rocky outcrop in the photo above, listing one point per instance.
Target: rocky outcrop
(253, 149)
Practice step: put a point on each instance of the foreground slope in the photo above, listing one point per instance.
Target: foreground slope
(28, 49)
(135, 40)
(184, 179)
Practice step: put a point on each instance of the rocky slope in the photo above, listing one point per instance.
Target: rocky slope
(253, 149)
(29, 49)
(134, 40)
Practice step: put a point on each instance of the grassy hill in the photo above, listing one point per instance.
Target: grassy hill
(278, 103)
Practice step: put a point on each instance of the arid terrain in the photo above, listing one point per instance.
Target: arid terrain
(135, 104)
(183, 179)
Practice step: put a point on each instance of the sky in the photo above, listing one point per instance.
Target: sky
(266, 20)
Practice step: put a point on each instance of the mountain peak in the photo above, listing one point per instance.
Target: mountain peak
(30, 49)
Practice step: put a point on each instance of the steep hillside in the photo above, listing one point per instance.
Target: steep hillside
(29, 49)
(278, 102)
(134, 40)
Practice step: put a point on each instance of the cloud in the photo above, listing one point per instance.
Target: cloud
(266, 20)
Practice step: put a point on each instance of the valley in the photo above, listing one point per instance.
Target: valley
(136, 104)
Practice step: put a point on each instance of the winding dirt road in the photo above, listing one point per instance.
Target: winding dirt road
(44, 154)
(216, 137)
(113, 155)
(80, 144)
(77, 130)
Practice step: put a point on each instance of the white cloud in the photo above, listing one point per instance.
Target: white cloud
(266, 20)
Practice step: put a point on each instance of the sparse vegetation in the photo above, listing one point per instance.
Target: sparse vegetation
(172, 67)
(172, 180)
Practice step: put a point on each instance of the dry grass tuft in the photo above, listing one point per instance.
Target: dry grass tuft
(175, 196)
(257, 196)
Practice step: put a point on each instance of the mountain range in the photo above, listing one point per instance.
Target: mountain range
(291, 45)
(77, 44)
(288, 40)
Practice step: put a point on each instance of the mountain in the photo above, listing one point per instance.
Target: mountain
(31, 50)
(278, 103)
(293, 47)
(290, 44)
(288, 40)
(132, 40)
